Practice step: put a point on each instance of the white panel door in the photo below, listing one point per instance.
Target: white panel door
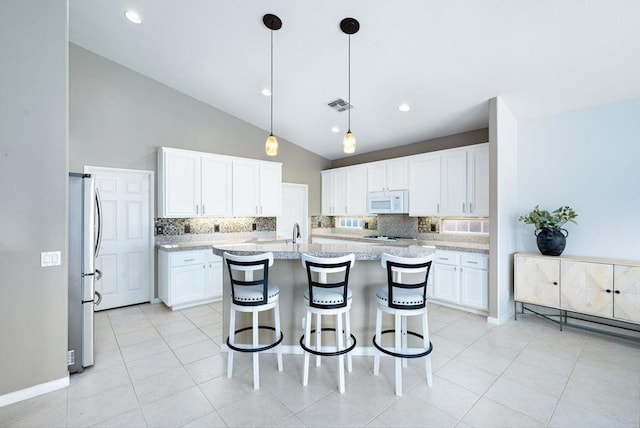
(125, 258)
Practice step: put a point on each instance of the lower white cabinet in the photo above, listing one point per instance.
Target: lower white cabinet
(189, 278)
(461, 279)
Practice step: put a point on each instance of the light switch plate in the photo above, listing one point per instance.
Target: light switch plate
(50, 258)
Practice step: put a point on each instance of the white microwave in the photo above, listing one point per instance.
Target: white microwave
(388, 202)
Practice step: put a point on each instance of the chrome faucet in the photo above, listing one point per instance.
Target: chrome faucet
(296, 232)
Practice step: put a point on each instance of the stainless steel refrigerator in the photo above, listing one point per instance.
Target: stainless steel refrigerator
(85, 233)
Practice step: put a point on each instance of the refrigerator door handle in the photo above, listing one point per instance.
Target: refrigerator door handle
(98, 242)
(99, 296)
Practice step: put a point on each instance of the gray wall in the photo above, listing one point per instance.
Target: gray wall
(442, 143)
(118, 118)
(33, 191)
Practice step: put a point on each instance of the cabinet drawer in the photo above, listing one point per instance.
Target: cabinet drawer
(446, 258)
(476, 261)
(185, 258)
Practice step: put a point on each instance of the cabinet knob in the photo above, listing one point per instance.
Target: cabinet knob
(617, 291)
(608, 291)
(555, 282)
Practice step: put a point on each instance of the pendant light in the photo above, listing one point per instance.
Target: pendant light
(273, 23)
(349, 26)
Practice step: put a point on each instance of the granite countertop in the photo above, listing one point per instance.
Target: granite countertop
(362, 251)
(470, 247)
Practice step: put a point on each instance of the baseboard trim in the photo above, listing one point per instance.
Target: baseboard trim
(500, 320)
(34, 391)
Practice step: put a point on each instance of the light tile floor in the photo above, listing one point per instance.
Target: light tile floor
(159, 368)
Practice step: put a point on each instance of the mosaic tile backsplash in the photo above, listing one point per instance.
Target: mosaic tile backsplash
(182, 226)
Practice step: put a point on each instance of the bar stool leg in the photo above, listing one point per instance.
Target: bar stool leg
(376, 358)
(256, 365)
(339, 346)
(425, 334)
(232, 340)
(398, 339)
(318, 337)
(347, 335)
(276, 313)
(307, 343)
(404, 340)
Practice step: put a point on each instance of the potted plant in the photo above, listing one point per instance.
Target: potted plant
(550, 236)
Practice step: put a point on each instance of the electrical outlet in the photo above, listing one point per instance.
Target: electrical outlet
(50, 258)
(366, 225)
(254, 226)
(187, 228)
(216, 228)
(159, 229)
(319, 224)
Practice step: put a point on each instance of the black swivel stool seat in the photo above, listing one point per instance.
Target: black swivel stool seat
(251, 292)
(404, 296)
(328, 293)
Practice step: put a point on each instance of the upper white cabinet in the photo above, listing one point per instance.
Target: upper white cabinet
(478, 180)
(424, 185)
(450, 183)
(256, 188)
(344, 191)
(388, 175)
(193, 184)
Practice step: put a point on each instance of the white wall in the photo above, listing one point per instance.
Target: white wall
(588, 159)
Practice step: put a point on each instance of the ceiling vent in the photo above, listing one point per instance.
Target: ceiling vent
(340, 105)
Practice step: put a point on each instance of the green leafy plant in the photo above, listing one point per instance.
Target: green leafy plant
(555, 219)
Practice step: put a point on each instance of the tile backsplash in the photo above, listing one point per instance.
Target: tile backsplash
(182, 226)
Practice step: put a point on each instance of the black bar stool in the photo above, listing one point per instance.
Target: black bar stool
(328, 293)
(404, 296)
(251, 292)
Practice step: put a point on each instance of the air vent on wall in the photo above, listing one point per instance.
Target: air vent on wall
(340, 105)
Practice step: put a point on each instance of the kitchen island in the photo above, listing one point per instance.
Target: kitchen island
(288, 273)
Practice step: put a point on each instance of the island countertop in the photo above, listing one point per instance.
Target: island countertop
(291, 251)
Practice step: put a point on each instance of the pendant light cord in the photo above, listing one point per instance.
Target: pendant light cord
(349, 124)
(271, 132)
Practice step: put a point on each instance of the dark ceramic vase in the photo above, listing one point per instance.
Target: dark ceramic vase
(551, 241)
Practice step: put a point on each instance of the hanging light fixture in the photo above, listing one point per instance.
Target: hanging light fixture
(273, 23)
(349, 26)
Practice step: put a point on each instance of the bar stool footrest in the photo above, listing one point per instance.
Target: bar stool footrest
(400, 355)
(262, 348)
(324, 353)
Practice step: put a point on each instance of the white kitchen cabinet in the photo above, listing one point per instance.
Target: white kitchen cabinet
(356, 190)
(453, 182)
(461, 280)
(256, 188)
(388, 175)
(193, 184)
(189, 278)
(334, 192)
(424, 185)
(478, 180)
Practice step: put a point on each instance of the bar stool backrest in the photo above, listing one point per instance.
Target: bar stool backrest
(249, 271)
(324, 273)
(406, 273)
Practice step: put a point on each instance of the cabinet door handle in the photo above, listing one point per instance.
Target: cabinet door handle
(463, 207)
(189, 260)
(438, 207)
(555, 283)
(202, 209)
(472, 263)
(470, 207)
(617, 291)
(197, 209)
(607, 290)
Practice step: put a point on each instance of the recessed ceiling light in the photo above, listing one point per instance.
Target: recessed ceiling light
(404, 107)
(133, 16)
(266, 92)
(335, 129)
